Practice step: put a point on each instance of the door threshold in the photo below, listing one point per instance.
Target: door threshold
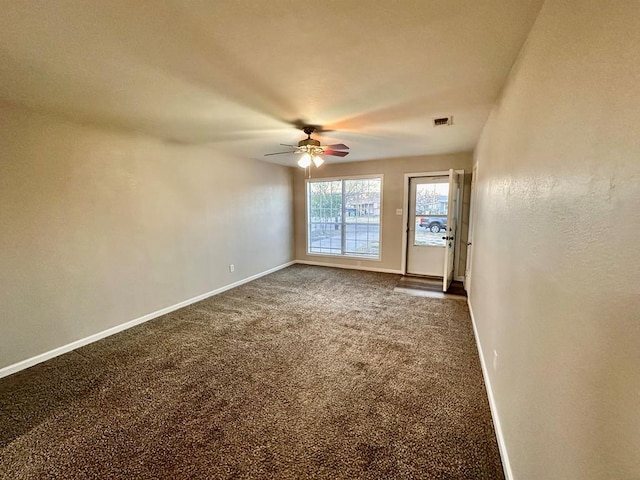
(427, 293)
(426, 277)
(431, 284)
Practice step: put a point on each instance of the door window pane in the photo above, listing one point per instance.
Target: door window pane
(432, 200)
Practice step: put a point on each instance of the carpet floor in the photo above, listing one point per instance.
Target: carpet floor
(309, 372)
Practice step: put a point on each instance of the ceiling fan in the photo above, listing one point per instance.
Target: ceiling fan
(311, 149)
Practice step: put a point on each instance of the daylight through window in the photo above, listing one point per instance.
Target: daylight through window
(344, 217)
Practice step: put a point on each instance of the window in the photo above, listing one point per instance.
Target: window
(343, 217)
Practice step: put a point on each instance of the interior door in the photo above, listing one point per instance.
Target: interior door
(449, 236)
(427, 223)
(467, 273)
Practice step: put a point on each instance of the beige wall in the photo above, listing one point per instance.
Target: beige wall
(393, 171)
(555, 286)
(98, 228)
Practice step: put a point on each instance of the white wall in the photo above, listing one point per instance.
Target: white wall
(556, 263)
(99, 227)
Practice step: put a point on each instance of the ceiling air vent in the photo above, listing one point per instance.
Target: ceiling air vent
(438, 122)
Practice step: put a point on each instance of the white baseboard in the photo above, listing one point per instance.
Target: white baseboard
(492, 403)
(348, 267)
(29, 362)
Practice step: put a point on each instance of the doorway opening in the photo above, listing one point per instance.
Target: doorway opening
(433, 217)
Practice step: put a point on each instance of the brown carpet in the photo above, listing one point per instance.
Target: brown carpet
(309, 372)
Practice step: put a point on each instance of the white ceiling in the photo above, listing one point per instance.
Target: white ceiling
(235, 73)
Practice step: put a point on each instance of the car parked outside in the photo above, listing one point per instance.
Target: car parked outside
(434, 223)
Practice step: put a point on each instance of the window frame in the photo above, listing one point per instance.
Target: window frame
(306, 223)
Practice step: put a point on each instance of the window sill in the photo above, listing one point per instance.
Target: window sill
(349, 257)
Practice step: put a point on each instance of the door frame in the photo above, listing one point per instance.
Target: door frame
(405, 211)
(472, 221)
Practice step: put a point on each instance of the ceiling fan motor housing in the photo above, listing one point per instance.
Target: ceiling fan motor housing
(309, 141)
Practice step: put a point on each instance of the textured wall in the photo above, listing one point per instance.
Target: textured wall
(393, 171)
(556, 270)
(98, 228)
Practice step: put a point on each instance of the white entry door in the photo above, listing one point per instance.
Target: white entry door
(427, 224)
(467, 273)
(449, 235)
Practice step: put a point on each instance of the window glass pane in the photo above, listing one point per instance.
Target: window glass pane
(325, 208)
(325, 238)
(362, 239)
(362, 216)
(325, 201)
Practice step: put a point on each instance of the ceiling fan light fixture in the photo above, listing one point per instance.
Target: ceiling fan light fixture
(317, 161)
(305, 160)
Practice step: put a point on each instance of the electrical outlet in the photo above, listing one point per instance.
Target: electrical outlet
(232, 267)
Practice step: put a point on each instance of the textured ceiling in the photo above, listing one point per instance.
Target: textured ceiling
(236, 73)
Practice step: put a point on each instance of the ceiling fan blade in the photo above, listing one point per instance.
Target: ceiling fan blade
(335, 153)
(287, 145)
(279, 153)
(336, 146)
